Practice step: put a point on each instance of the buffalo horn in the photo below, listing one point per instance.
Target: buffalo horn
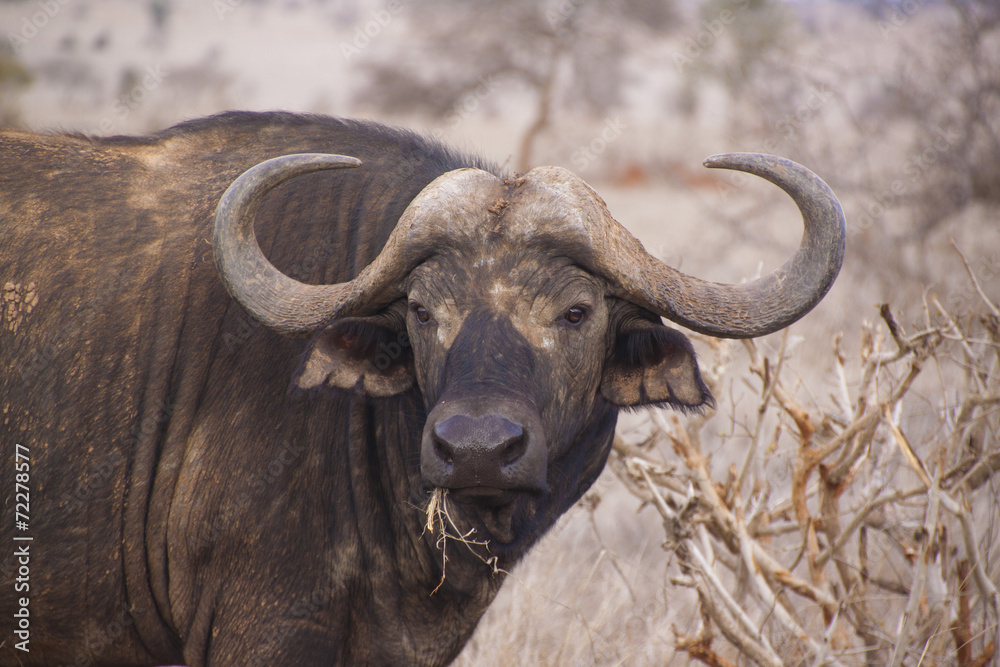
(744, 310)
(771, 302)
(294, 308)
(277, 301)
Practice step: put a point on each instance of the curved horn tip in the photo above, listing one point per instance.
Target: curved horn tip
(746, 161)
(331, 159)
(299, 164)
(774, 301)
(271, 297)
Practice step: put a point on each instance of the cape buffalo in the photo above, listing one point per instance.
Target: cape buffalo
(420, 343)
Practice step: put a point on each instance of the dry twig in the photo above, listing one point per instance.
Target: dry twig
(841, 453)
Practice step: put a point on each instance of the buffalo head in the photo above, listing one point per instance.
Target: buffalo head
(525, 316)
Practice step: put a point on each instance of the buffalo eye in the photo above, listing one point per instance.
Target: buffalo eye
(422, 314)
(575, 315)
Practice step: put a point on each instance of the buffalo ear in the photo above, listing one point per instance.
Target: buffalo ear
(653, 365)
(359, 354)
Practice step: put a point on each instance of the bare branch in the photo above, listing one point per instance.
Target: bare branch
(716, 531)
(975, 281)
(917, 589)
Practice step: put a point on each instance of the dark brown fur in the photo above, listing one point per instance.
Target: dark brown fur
(187, 504)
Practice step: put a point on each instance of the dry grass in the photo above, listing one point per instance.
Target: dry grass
(440, 521)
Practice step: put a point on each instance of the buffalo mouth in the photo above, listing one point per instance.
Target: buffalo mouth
(483, 495)
(486, 459)
(481, 507)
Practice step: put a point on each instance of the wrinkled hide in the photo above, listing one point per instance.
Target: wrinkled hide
(207, 489)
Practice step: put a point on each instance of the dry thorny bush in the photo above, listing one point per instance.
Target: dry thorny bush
(882, 547)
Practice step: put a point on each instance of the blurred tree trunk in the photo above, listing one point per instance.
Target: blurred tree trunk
(543, 114)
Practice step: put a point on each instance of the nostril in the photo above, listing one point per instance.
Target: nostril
(513, 449)
(443, 451)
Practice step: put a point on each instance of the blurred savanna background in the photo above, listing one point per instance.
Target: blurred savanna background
(841, 505)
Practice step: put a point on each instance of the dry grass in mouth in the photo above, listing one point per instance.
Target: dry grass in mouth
(440, 520)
